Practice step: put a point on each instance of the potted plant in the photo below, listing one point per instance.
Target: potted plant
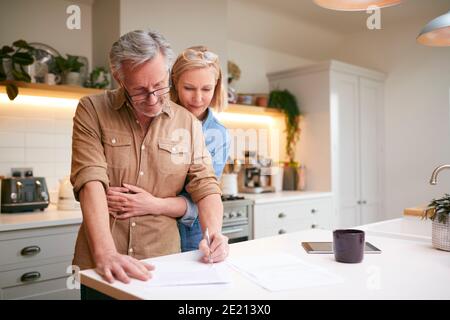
(438, 211)
(13, 63)
(70, 69)
(99, 78)
(234, 74)
(286, 101)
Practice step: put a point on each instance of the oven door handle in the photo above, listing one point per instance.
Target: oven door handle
(232, 231)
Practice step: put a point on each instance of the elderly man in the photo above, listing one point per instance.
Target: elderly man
(134, 135)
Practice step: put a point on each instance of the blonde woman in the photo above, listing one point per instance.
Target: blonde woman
(197, 86)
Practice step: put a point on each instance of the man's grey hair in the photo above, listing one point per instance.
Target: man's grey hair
(139, 47)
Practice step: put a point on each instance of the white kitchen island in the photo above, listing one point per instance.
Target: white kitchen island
(406, 269)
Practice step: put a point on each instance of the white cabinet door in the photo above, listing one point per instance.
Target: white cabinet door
(370, 102)
(345, 136)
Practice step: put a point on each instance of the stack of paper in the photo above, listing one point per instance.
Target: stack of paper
(276, 272)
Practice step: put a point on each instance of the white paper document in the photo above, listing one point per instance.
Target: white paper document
(282, 271)
(187, 273)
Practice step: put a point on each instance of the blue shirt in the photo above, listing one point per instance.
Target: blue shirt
(217, 141)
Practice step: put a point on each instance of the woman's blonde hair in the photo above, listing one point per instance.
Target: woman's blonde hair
(182, 65)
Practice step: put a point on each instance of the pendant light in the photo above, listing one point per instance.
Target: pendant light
(355, 5)
(437, 32)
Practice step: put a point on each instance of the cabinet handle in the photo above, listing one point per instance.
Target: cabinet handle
(313, 211)
(30, 251)
(364, 202)
(281, 231)
(313, 226)
(232, 230)
(281, 215)
(359, 202)
(30, 276)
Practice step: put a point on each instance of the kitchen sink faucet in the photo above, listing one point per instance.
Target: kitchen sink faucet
(436, 171)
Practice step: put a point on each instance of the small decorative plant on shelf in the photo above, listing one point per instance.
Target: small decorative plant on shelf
(99, 79)
(286, 101)
(70, 69)
(13, 63)
(438, 211)
(234, 74)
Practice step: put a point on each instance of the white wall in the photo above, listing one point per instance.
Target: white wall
(256, 62)
(36, 136)
(45, 21)
(417, 107)
(262, 26)
(105, 30)
(183, 23)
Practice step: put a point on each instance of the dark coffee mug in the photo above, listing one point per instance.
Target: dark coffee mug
(348, 245)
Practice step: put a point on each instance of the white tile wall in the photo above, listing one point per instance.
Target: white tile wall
(8, 154)
(36, 137)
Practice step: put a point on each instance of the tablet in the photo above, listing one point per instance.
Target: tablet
(327, 247)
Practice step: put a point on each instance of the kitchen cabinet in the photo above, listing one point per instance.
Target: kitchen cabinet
(357, 148)
(290, 215)
(36, 255)
(342, 135)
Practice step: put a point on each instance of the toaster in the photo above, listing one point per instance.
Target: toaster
(23, 194)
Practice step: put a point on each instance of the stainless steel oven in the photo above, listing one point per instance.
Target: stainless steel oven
(237, 218)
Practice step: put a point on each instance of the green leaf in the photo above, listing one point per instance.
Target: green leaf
(6, 50)
(22, 58)
(22, 44)
(21, 76)
(60, 64)
(25, 75)
(12, 91)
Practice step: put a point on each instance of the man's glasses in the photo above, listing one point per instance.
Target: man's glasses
(145, 95)
(194, 55)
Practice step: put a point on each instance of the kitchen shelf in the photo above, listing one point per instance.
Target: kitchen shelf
(74, 92)
(53, 91)
(247, 109)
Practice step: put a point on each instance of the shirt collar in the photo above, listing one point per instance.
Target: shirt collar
(209, 118)
(121, 101)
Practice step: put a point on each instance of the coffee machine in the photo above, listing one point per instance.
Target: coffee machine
(255, 175)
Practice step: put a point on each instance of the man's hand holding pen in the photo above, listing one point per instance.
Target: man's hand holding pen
(218, 247)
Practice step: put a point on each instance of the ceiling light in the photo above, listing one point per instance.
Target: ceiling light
(355, 5)
(437, 32)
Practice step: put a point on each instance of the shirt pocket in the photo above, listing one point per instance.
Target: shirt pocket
(117, 150)
(173, 157)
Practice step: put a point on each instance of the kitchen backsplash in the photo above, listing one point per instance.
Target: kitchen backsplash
(36, 137)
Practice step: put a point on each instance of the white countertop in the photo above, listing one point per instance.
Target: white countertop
(39, 219)
(407, 228)
(274, 197)
(53, 217)
(406, 269)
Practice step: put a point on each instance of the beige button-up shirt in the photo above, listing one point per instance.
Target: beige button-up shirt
(108, 145)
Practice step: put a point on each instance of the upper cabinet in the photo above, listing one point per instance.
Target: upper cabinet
(341, 141)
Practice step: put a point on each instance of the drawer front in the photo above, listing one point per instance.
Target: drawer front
(30, 275)
(273, 219)
(286, 228)
(54, 289)
(36, 248)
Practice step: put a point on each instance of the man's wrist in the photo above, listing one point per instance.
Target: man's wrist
(102, 252)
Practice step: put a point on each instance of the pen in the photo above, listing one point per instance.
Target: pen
(208, 241)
